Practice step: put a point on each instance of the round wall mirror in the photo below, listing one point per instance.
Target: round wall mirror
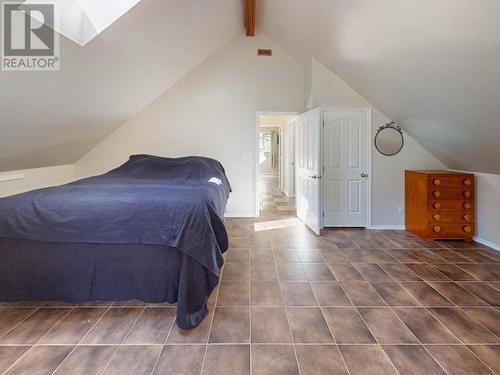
(389, 139)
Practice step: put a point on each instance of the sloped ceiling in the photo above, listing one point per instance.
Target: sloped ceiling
(54, 118)
(433, 65)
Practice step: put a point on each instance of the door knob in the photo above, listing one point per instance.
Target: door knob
(364, 175)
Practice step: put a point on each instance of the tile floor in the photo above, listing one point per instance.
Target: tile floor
(271, 200)
(349, 302)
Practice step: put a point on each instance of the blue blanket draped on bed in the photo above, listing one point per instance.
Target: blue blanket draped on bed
(149, 200)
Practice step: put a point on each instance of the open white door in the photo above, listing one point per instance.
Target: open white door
(307, 158)
(345, 173)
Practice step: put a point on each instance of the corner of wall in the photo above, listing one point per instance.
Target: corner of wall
(487, 209)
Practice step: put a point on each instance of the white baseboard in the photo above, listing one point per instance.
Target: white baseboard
(387, 227)
(487, 243)
(243, 215)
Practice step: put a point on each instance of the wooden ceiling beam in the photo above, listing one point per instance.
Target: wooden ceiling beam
(250, 12)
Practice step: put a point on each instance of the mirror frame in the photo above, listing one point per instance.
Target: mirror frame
(390, 125)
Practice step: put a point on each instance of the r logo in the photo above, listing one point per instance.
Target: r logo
(26, 32)
(29, 43)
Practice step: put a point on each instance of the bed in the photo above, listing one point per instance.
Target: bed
(150, 230)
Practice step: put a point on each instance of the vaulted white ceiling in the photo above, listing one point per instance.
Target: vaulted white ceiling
(51, 118)
(433, 65)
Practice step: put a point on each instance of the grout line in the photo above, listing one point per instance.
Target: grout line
(419, 341)
(367, 327)
(213, 316)
(364, 321)
(85, 335)
(57, 324)
(34, 345)
(467, 345)
(362, 306)
(328, 325)
(18, 323)
(118, 346)
(265, 343)
(164, 344)
(286, 311)
(455, 306)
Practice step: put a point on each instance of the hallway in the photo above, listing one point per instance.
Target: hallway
(272, 202)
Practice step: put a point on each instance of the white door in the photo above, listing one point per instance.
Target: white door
(345, 174)
(307, 156)
(289, 160)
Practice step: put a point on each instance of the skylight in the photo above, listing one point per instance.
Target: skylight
(82, 20)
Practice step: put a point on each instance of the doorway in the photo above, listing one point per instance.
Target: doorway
(275, 164)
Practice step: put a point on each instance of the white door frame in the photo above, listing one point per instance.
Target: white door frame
(256, 151)
(289, 132)
(369, 145)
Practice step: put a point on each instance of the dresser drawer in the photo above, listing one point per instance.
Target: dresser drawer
(451, 181)
(451, 230)
(450, 205)
(451, 217)
(455, 194)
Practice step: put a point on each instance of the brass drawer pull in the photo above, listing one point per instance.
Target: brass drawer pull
(437, 228)
(437, 205)
(467, 182)
(437, 182)
(436, 217)
(467, 217)
(467, 205)
(467, 194)
(467, 229)
(437, 193)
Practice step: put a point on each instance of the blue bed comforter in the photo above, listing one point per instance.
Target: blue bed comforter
(148, 200)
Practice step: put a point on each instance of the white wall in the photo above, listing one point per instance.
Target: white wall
(324, 88)
(35, 179)
(211, 112)
(488, 208)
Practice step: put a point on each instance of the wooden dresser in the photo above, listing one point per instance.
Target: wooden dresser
(440, 205)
